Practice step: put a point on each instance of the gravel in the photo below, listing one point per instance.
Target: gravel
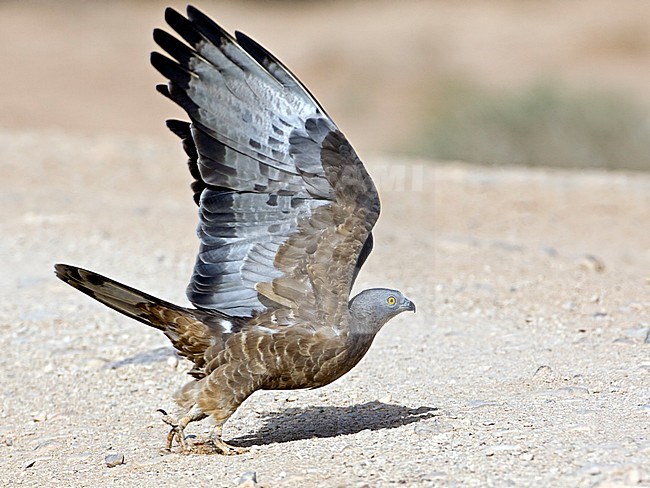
(513, 371)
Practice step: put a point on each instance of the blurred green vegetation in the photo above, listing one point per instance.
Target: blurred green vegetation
(545, 124)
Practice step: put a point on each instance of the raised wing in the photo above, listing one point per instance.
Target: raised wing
(285, 205)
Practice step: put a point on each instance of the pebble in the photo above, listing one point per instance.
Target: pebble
(39, 416)
(113, 460)
(95, 363)
(635, 476)
(172, 362)
(526, 456)
(442, 438)
(28, 464)
(49, 445)
(592, 263)
(248, 479)
(544, 373)
(640, 333)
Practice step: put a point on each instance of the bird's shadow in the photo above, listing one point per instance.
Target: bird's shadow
(157, 355)
(318, 422)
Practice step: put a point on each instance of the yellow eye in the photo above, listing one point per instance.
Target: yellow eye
(391, 300)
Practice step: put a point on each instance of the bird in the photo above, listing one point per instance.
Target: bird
(286, 210)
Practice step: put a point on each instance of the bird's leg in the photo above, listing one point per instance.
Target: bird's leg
(220, 445)
(223, 391)
(178, 427)
(177, 431)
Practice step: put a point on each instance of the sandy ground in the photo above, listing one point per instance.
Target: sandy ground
(527, 363)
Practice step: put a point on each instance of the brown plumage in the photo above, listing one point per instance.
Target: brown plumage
(286, 210)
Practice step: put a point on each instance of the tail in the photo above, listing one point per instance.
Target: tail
(126, 300)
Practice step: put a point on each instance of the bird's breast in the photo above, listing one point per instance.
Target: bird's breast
(315, 363)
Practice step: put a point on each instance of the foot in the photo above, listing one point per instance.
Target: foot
(177, 431)
(226, 449)
(223, 447)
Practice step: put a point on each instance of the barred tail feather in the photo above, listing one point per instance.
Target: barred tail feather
(124, 299)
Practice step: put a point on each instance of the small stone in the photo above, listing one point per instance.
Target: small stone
(442, 438)
(172, 362)
(640, 333)
(39, 416)
(634, 477)
(28, 464)
(95, 363)
(526, 456)
(113, 460)
(48, 445)
(593, 470)
(592, 263)
(544, 372)
(248, 479)
(292, 399)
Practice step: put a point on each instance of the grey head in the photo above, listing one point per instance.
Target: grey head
(372, 308)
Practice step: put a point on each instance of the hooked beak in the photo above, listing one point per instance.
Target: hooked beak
(408, 305)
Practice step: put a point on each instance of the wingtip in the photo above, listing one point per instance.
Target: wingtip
(191, 9)
(244, 40)
(158, 33)
(171, 13)
(163, 89)
(153, 56)
(194, 13)
(179, 127)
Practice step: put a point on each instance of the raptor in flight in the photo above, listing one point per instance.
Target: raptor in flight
(286, 211)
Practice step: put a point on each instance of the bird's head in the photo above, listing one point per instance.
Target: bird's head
(372, 308)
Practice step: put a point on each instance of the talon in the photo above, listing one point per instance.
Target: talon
(168, 419)
(176, 432)
(226, 449)
(223, 447)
